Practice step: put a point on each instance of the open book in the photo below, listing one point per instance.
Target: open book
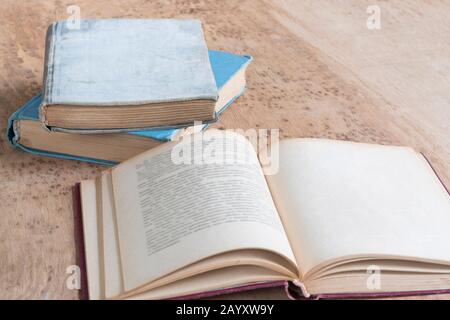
(334, 216)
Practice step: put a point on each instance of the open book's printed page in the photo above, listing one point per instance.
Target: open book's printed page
(170, 215)
(342, 198)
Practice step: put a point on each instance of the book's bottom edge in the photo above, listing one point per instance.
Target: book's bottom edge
(63, 156)
(296, 293)
(231, 290)
(50, 127)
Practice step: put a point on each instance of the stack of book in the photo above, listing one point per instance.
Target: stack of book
(114, 88)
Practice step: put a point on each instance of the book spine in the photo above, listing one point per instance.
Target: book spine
(79, 242)
(296, 290)
(16, 133)
(302, 287)
(49, 67)
(12, 130)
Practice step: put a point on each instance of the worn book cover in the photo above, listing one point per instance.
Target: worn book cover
(124, 62)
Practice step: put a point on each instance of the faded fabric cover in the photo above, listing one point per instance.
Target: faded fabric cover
(127, 62)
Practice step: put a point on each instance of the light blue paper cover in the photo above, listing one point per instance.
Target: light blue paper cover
(106, 62)
(224, 65)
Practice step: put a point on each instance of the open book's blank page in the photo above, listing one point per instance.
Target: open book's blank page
(342, 198)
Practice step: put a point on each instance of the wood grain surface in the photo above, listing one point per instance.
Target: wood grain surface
(318, 72)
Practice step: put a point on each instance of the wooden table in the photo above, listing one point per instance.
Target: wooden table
(318, 72)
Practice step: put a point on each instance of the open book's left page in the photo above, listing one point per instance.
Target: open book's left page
(170, 215)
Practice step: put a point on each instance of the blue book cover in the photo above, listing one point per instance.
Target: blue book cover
(224, 65)
(112, 74)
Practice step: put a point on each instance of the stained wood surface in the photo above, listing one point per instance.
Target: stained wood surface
(318, 72)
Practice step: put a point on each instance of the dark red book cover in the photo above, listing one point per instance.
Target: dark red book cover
(79, 242)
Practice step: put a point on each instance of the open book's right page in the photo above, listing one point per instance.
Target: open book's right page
(339, 199)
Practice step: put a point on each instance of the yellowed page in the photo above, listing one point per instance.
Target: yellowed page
(111, 260)
(112, 272)
(260, 259)
(113, 286)
(341, 198)
(212, 280)
(170, 215)
(89, 211)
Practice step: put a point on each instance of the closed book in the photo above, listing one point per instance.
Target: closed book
(112, 74)
(27, 133)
